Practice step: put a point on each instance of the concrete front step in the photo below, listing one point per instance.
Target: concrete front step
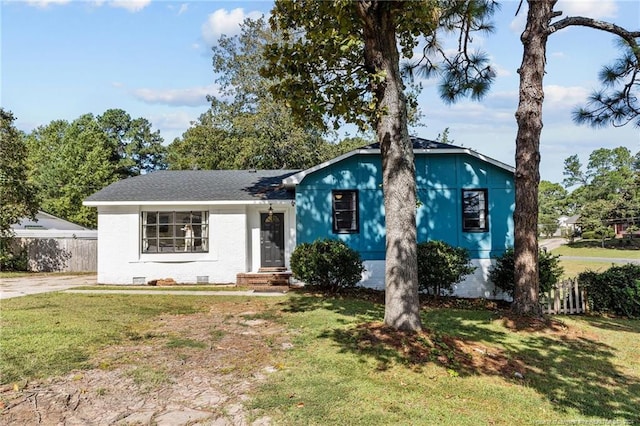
(263, 278)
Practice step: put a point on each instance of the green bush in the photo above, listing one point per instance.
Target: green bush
(589, 235)
(12, 256)
(503, 273)
(440, 266)
(616, 290)
(327, 264)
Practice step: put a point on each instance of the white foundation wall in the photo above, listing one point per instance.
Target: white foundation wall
(476, 285)
(120, 260)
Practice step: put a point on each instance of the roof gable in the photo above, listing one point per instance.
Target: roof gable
(420, 146)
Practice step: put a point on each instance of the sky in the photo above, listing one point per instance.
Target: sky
(60, 59)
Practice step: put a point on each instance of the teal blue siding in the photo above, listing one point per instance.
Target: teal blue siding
(440, 179)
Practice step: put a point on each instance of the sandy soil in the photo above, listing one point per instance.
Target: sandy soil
(192, 369)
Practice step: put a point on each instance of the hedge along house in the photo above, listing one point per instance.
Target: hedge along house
(215, 226)
(465, 199)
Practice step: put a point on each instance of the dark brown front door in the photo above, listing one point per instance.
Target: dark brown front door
(272, 240)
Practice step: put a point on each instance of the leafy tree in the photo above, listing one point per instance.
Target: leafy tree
(534, 38)
(340, 61)
(245, 126)
(610, 189)
(17, 196)
(551, 205)
(551, 199)
(69, 162)
(617, 103)
(135, 148)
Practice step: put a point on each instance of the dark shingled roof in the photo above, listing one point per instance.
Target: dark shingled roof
(198, 185)
(419, 143)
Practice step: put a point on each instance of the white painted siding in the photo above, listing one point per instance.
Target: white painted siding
(476, 285)
(234, 244)
(120, 260)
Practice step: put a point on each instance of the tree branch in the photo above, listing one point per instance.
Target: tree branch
(629, 36)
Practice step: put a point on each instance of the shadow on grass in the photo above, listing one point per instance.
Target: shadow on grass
(572, 371)
(614, 324)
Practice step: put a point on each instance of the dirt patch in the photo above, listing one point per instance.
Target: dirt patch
(183, 369)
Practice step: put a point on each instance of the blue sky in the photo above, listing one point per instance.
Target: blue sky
(61, 59)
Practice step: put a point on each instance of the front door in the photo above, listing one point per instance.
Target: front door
(272, 240)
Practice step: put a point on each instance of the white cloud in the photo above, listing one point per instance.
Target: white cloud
(46, 3)
(130, 5)
(173, 124)
(597, 9)
(225, 22)
(183, 8)
(195, 96)
(563, 97)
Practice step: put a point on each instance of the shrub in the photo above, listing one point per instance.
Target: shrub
(13, 257)
(589, 235)
(440, 266)
(327, 264)
(503, 273)
(616, 290)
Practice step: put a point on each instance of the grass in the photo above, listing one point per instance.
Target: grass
(574, 267)
(622, 248)
(51, 334)
(335, 376)
(187, 287)
(343, 370)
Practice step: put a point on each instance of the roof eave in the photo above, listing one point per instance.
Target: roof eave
(185, 203)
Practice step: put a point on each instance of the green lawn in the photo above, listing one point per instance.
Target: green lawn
(573, 267)
(180, 287)
(346, 369)
(626, 249)
(339, 375)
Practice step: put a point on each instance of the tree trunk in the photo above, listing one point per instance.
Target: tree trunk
(527, 178)
(402, 305)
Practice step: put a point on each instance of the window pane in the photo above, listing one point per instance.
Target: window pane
(151, 217)
(174, 232)
(182, 217)
(474, 206)
(345, 211)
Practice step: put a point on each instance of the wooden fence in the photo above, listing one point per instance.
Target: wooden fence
(565, 298)
(61, 254)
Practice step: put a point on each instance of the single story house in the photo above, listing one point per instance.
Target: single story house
(219, 226)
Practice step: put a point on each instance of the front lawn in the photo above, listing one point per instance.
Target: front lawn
(470, 367)
(616, 248)
(334, 363)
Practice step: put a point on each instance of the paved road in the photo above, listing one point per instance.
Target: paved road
(16, 287)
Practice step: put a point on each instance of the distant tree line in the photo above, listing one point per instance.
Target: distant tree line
(605, 190)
